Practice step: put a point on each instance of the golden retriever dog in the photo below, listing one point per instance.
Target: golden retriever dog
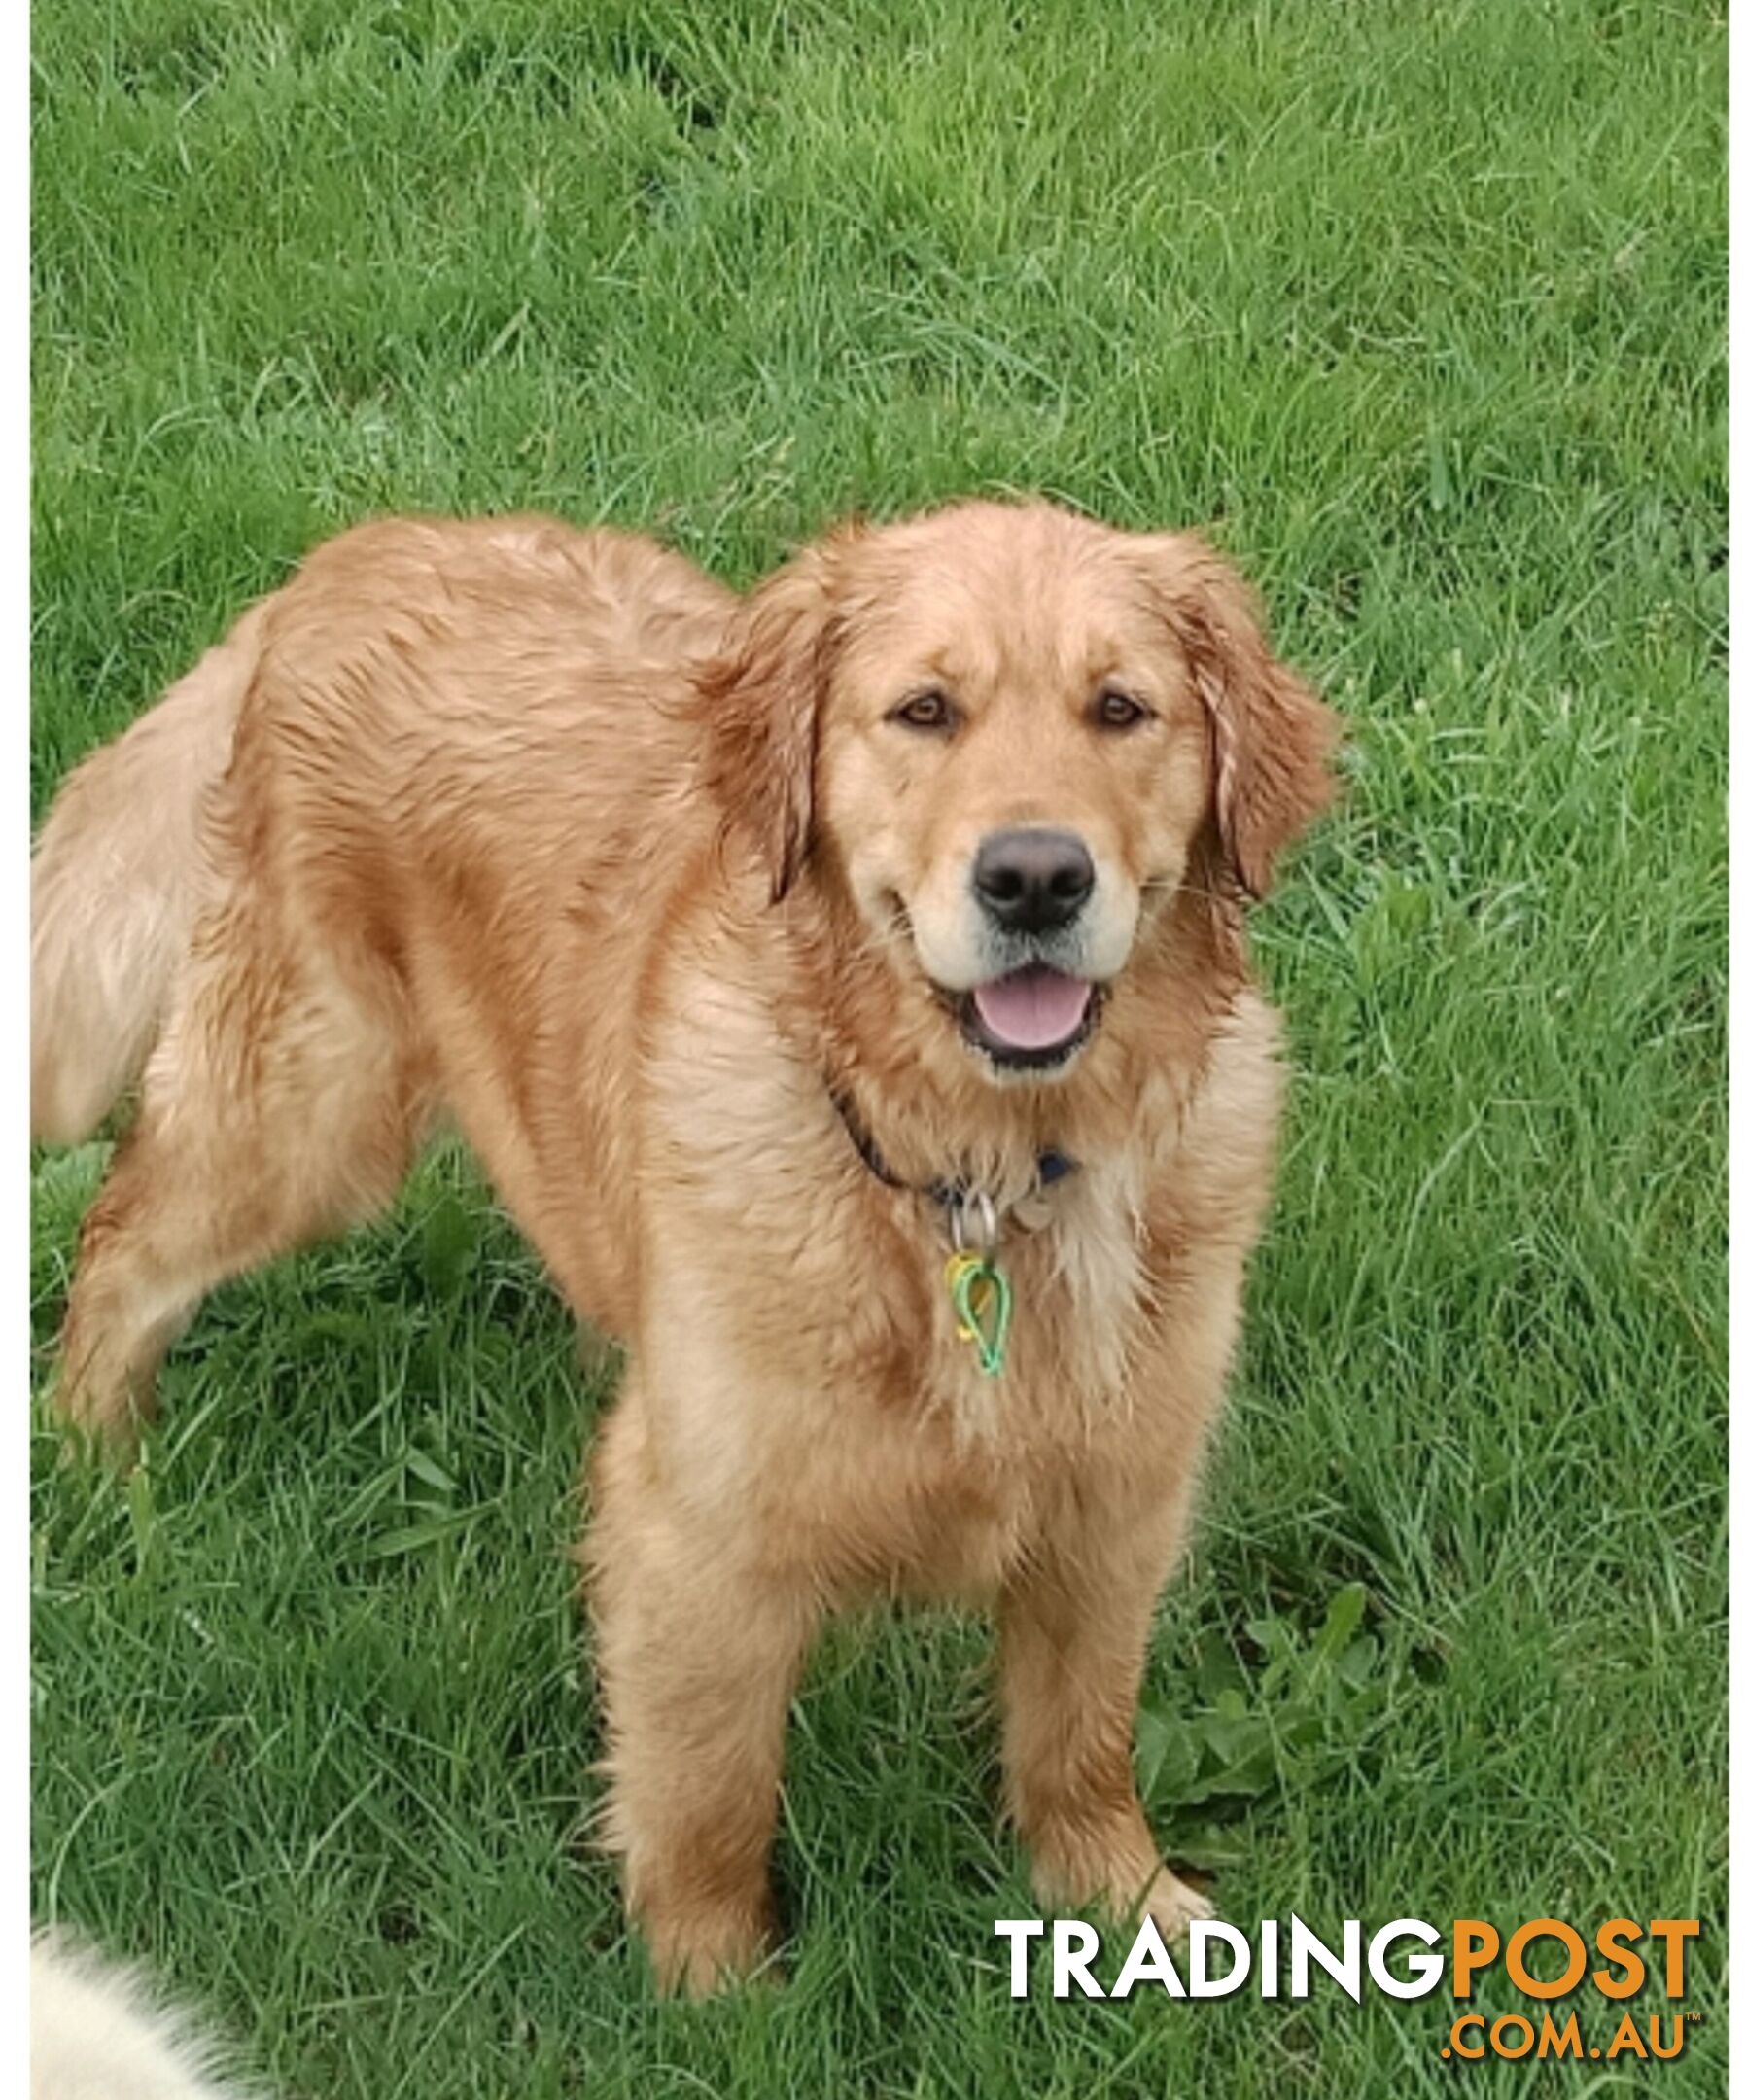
(844, 986)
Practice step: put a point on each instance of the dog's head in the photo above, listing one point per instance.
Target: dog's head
(1006, 733)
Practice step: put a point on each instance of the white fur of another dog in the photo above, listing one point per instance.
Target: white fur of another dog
(99, 2032)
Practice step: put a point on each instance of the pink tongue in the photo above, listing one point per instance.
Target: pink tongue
(1033, 1009)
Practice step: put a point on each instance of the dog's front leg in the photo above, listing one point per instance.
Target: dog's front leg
(698, 1650)
(1075, 1619)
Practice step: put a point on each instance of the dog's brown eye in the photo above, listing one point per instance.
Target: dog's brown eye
(926, 711)
(1113, 710)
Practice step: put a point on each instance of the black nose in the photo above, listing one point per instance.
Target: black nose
(1033, 881)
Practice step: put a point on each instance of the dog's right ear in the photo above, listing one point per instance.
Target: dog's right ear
(758, 706)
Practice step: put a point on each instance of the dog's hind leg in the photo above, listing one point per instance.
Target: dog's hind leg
(282, 1102)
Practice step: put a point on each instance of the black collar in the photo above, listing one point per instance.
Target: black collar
(1052, 1165)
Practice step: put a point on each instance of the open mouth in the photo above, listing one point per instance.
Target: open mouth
(1031, 1018)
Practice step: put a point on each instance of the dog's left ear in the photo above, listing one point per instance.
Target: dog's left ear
(758, 706)
(1271, 737)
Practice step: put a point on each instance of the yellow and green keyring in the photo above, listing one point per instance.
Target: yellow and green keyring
(981, 1297)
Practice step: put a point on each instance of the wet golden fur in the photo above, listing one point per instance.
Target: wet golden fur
(547, 832)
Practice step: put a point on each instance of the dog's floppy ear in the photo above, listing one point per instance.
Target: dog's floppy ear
(758, 706)
(1271, 737)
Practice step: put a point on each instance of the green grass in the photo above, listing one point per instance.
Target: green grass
(1420, 306)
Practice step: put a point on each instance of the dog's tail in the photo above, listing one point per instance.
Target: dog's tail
(116, 882)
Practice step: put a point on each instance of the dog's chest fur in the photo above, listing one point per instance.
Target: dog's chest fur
(798, 1353)
(1074, 1260)
(843, 1278)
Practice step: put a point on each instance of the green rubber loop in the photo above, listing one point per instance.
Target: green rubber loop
(982, 1299)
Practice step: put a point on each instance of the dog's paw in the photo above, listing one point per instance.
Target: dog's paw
(703, 1952)
(1172, 1906)
(93, 1437)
